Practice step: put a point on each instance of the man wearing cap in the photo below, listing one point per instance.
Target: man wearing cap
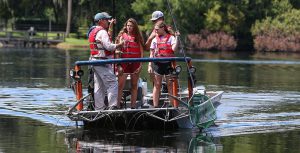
(102, 48)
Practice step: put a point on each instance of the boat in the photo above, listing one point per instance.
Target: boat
(193, 107)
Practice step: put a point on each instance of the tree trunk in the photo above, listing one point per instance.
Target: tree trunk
(69, 18)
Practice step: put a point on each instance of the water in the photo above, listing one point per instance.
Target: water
(259, 111)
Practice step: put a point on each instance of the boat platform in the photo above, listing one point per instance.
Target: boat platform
(190, 108)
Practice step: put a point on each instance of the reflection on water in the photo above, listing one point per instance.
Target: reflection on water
(256, 77)
(42, 68)
(23, 135)
(204, 143)
(261, 105)
(279, 142)
(141, 141)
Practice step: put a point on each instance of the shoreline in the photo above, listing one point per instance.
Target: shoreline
(58, 46)
(70, 46)
(67, 46)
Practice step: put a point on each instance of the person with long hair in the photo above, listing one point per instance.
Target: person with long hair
(157, 18)
(163, 45)
(132, 48)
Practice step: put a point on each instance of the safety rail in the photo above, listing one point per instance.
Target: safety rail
(77, 73)
(130, 60)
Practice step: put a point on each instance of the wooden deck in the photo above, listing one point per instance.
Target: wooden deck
(28, 39)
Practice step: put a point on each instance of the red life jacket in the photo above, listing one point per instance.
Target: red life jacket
(131, 49)
(95, 50)
(163, 48)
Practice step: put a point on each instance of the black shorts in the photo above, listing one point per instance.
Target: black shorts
(162, 68)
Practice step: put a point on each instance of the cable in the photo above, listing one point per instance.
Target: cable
(180, 42)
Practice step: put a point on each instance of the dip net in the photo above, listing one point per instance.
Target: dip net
(202, 112)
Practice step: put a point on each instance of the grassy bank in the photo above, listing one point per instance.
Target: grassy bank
(70, 43)
(73, 43)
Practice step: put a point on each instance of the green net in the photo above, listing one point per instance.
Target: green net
(202, 143)
(202, 113)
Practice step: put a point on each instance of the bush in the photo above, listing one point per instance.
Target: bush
(207, 40)
(279, 34)
(277, 43)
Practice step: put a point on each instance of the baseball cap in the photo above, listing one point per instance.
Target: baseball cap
(156, 15)
(102, 15)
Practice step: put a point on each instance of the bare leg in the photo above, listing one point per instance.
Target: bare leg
(121, 81)
(134, 88)
(156, 89)
(170, 87)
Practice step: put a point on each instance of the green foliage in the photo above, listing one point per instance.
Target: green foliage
(5, 12)
(235, 18)
(49, 12)
(284, 24)
(280, 7)
(213, 21)
(190, 16)
(226, 17)
(142, 7)
(281, 33)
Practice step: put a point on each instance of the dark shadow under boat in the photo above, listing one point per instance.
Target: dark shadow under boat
(102, 140)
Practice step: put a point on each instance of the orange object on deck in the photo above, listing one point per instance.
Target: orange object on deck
(190, 84)
(78, 90)
(175, 87)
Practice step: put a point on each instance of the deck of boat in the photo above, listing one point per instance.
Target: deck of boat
(184, 108)
(144, 117)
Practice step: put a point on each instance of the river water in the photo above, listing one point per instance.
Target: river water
(259, 111)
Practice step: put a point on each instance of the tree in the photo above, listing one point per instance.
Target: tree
(5, 12)
(188, 15)
(69, 18)
(50, 14)
(281, 33)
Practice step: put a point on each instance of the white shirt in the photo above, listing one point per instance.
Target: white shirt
(103, 37)
(153, 45)
(171, 41)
